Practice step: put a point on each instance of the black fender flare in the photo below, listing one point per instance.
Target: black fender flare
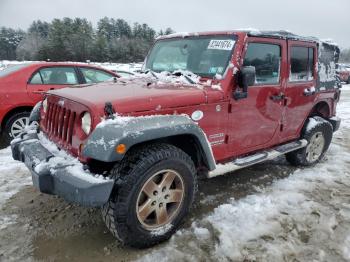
(131, 131)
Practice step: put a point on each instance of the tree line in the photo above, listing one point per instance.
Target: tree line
(113, 40)
(345, 56)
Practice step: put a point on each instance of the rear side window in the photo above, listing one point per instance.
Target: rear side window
(55, 76)
(94, 75)
(301, 64)
(36, 79)
(266, 58)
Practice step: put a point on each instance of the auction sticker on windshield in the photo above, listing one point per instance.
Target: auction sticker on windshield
(221, 44)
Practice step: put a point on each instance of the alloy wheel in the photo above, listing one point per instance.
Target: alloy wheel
(160, 199)
(18, 126)
(315, 147)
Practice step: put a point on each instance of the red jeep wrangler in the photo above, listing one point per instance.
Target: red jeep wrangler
(206, 104)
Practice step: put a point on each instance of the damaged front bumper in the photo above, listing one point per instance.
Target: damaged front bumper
(59, 179)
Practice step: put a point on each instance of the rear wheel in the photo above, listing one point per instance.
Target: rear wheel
(348, 81)
(15, 125)
(318, 132)
(155, 188)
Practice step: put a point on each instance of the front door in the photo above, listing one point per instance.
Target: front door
(255, 121)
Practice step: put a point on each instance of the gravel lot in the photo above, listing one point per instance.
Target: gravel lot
(269, 212)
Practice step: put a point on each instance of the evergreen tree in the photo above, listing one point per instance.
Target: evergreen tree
(114, 40)
(9, 40)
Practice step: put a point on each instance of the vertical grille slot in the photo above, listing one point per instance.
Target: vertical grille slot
(70, 127)
(59, 123)
(47, 119)
(65, 125)
(52, 126)
(55, 130)
(50, 118)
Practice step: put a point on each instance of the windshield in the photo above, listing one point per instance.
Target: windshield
(204, 56)
(12, 69)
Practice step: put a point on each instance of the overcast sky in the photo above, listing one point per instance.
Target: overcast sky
(321, 18)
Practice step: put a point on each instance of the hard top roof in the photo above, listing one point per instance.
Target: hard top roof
(280, 34)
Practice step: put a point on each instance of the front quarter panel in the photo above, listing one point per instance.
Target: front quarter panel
(135, 130)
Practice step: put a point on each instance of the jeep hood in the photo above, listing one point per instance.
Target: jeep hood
(134, 96)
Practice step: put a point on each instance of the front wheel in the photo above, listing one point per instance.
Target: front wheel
(15, 125)
(318, 132)
(155, 188)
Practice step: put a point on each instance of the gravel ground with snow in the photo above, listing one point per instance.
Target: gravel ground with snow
(269, 212)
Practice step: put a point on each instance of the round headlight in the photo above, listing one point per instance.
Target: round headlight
(86, 123)
(45, 105)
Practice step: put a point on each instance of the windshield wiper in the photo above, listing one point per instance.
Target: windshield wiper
(187, 77)
(152, 73)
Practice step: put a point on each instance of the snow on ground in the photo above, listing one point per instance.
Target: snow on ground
(305, 216)
(13, 176)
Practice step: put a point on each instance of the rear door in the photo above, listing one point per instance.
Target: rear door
(255, 120)
(49, 78)
(300, 89)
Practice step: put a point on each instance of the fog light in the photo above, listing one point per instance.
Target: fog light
(120, 149)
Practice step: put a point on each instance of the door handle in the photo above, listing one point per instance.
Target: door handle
(278, 97)
(309, 91)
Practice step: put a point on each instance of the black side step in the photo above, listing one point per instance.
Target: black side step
(259, 157)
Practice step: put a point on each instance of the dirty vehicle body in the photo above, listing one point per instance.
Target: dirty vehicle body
(258, 95)
(23, 85)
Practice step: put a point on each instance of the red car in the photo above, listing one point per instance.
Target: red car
(23, 85)
(344, 73)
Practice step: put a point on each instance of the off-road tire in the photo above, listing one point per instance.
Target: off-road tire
(138, 166)
(299, 157)
(6, 133)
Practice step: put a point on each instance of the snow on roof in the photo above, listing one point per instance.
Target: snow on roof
(281, 34)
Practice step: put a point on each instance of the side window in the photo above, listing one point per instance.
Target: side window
(58, 76)
(36, 79)
(266, 58)
(301, 64)
(95, 76)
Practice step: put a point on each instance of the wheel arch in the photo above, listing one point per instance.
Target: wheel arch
(13, 111)
(188, 143)
(322, 109)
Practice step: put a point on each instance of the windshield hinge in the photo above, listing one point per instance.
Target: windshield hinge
(109, 110)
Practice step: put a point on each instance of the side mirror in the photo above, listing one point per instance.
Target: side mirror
(246, 77)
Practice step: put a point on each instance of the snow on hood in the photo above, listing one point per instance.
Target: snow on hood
(144, 92)
(177, 77)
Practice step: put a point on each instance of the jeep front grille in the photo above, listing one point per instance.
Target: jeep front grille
(59, 123)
